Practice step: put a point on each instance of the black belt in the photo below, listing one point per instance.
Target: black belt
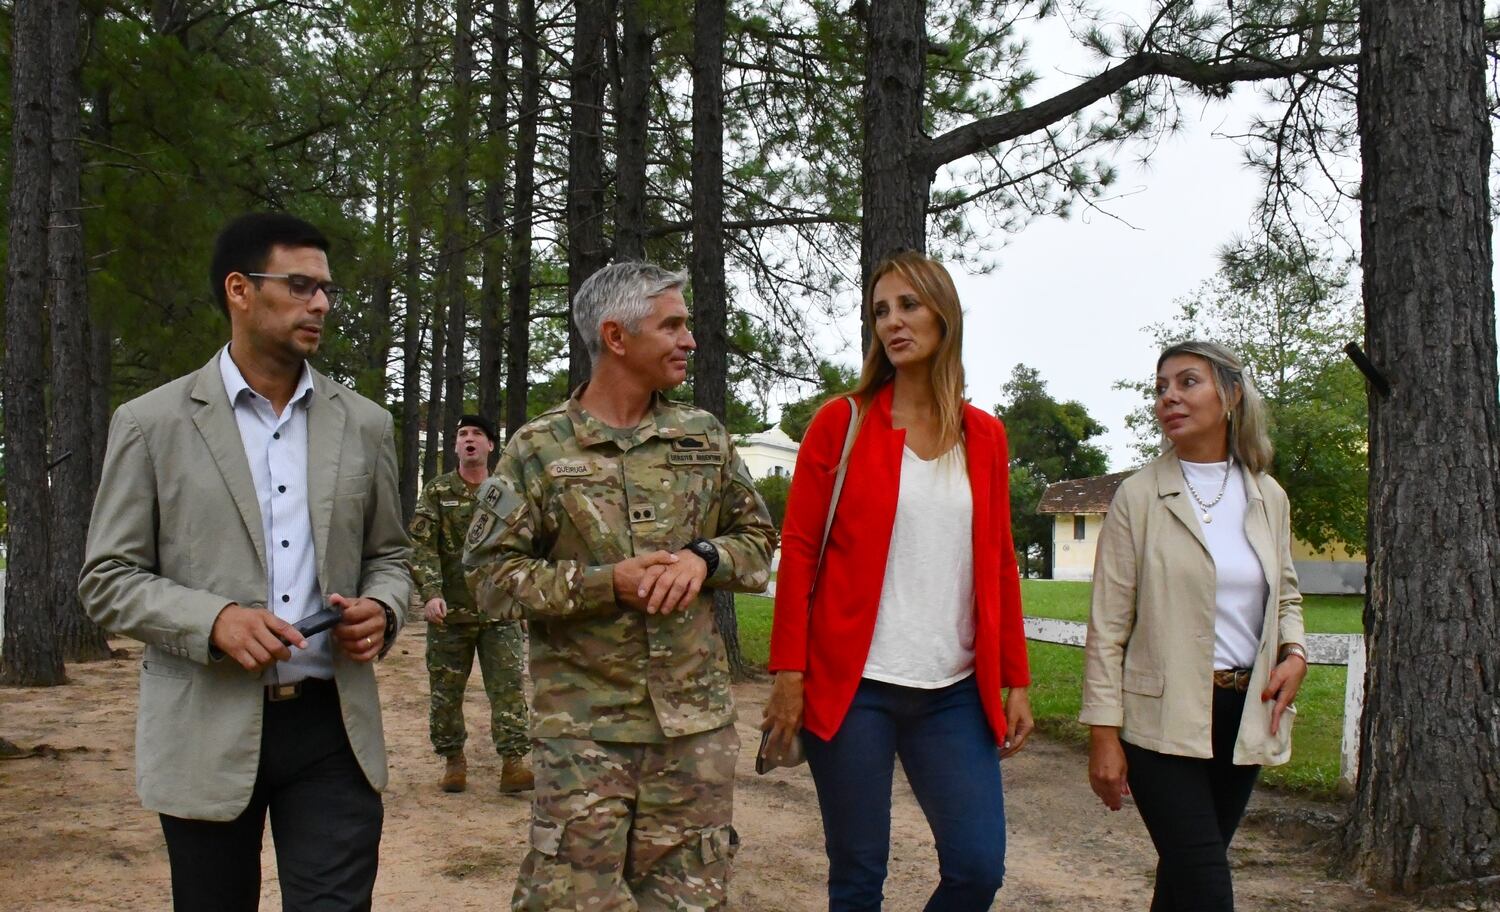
(280, 693)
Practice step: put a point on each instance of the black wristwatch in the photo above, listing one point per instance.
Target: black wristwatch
(390, 629)
(706, 550)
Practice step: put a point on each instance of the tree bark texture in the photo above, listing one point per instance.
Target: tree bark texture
(72, 478)
(101, 372)
(710, 292)
(32, 652)
(631, 122)
(518, 310)
(1426, 812)
(377, 358)
(432, 443)
(411, 323)
(896, 175)
(455, 232)
(586, 246)
(492, 293)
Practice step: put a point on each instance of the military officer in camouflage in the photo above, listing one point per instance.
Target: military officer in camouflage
(457, 630)
(606, 524)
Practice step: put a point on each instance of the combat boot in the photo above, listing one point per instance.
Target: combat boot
(516, 775)
(455, 774)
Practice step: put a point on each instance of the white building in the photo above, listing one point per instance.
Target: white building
(771, 452)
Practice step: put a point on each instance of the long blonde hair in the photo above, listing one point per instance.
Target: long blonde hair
(934, 288)
(1248, 438)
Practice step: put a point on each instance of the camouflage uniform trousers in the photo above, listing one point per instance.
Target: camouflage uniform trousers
(618, 826)
(450, 658)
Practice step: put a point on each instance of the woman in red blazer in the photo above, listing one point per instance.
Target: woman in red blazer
(900, 643)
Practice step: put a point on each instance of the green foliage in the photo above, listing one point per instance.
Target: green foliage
(835, 379)
(1049, 442)
(773, 490)
(1288, 311)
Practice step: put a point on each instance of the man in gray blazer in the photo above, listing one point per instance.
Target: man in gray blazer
(234, 502)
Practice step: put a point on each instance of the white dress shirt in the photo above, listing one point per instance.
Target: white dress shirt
(276, 447)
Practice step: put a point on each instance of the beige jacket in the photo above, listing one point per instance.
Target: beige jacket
(176, 535)
(1148, 661)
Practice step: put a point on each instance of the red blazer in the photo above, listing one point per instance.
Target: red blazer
(830, 643)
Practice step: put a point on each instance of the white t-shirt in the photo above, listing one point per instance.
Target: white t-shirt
(924, 629)
(1241, 590)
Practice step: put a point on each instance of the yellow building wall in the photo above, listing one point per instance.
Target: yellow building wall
(1073, 559)
(1302, 551)
(1334, 570)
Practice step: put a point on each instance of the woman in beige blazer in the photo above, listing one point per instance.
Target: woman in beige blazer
(1195, 610)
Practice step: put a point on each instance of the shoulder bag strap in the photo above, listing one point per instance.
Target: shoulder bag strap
(838, 487)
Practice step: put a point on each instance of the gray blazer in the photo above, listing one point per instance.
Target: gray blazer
(1148, 661)
(176, 535)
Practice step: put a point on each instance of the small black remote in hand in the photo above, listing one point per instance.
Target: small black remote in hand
(319, 622)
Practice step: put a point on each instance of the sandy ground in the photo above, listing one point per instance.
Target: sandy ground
(76, 838)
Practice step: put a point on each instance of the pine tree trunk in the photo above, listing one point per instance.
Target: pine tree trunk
(411, 323)
(896, 182)
(32, 653)
(436, 372)
(455, 233)
(518, 313)
(586, 248)
(101, 374)
(710, 291)
(1427, 806)
(491, 296)
(631, 122)
(72, 487)
(377, 358)
(102, 333)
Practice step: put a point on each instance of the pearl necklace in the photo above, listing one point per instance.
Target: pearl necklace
(1223, 486)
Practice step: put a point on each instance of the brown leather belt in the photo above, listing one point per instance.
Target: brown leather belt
(1232, 679)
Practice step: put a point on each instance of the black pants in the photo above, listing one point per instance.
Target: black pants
(1191, 808)
(325, 821)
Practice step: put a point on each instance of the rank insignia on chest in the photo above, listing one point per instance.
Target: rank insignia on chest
(642, 514)
(712, 457)
(570, 468)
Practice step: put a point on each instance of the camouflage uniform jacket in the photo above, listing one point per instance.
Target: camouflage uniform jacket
(570, 498)
(438, 526)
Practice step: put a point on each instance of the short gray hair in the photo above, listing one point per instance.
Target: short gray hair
(621, 292)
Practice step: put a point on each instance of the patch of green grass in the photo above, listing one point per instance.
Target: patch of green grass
(754, 615)
(1057, 676)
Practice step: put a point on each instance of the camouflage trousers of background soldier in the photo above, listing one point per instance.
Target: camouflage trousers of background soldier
(450, 657)
(618, 826)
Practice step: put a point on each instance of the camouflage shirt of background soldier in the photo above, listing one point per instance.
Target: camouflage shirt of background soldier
(572, 496)
(438, 526)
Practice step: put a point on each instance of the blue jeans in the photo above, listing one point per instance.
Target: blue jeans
(949, 755)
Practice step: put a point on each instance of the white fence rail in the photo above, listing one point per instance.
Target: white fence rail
(1347, 649)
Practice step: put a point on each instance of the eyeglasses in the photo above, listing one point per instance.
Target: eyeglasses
(302, 287)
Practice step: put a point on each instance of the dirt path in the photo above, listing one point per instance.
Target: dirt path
(76, 838)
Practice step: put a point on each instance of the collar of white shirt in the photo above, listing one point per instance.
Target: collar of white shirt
(235, 385)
